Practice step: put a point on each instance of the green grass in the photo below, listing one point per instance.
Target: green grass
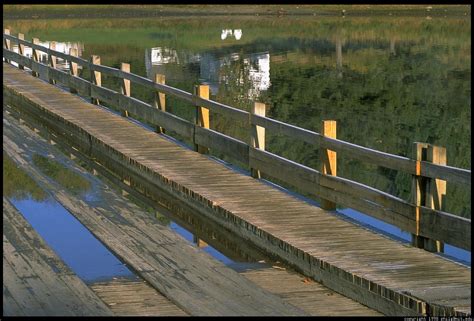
(55, 11)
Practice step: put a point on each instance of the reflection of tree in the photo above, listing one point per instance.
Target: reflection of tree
(409, 97)
(17, 184)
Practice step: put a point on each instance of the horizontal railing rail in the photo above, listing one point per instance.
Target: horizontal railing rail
(422, 219)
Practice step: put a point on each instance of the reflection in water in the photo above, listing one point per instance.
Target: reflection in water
(70, 180)
(74, 244)
(250, 70)
(18, 185)
(237, 34)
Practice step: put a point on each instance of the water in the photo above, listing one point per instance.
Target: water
(68, 238)
(388, 81)
(76, 246)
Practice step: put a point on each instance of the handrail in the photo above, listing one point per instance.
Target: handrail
(391, 161)
(337, 189)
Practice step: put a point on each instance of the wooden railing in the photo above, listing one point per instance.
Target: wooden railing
(422, 217)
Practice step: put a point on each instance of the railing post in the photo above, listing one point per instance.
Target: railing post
(125, 86)
(35, 56)
(328, 159)
(257, 134)
(419, 184)
(21, 49)
(96, 77)
(427, 192)
(436, 192)
(199, 243)
(202, 114)
(160, 99)
(52, 61)
(73, 68)
(6, 42)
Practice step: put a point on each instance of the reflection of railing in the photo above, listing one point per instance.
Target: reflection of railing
(423, 217)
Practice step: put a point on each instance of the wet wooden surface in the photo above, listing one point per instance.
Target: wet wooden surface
(135, 298)
(379, 272)
(306, 294)
(189, 277)
(35, 280)
(127, 297)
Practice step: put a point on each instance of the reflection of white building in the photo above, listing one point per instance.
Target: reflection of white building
(237, 34)
(63, 47)
(161, 55)
(252, 70)
(256, 67)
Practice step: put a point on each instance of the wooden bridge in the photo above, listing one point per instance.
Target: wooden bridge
(369, 268)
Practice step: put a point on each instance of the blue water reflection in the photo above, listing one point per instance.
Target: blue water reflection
(76, 246)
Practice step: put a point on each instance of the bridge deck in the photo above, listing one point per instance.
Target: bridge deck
(35, 280)
(190, 278)
(376, 271)
(126, 297)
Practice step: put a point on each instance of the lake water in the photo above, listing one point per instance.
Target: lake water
(388, 81)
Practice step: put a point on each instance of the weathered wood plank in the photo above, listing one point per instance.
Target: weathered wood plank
(232, 147)
(38, 281)
(197, 283)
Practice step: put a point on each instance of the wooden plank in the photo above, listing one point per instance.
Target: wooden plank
(257, 134)
(37, 279)
(159, 101)
(280, 128)
(127, 298)
(445, 227)
(328, 159)
(52, 61)
(34, 56)
(6, 41)
(304, 178)
(96, 76)
(451, 174)
(21, 49)
(303, 292)
(435, 193)
(40, 69)
(124, 88)
(201, 118)
(229, 146)
(231, 112)
(13, 56)
(73, 70)
(106, 70)
(105, 94)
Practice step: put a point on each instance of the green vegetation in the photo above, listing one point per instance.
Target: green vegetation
(87, 11)
(17, 184)
(70, 180)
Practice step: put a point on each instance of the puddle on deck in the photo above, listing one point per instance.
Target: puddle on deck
(69, 239)
(76, 246)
